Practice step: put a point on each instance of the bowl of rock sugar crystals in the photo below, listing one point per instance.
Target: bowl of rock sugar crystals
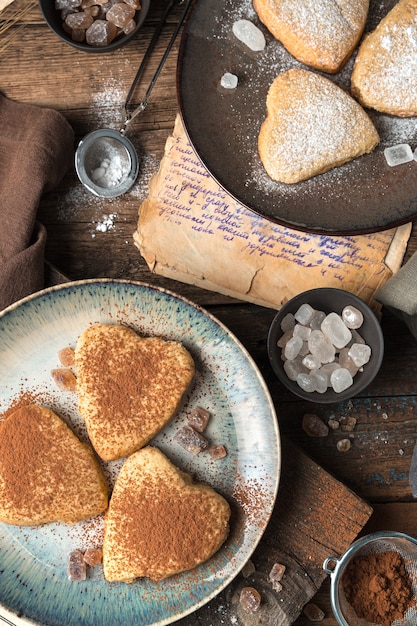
(95, 25)
(325, 345)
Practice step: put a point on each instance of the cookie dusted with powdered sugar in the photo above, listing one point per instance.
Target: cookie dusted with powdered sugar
(384, 76)
(320, 33)
(311, 126)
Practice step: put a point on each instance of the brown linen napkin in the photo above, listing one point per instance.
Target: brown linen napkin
(399, 294)
(36, 150)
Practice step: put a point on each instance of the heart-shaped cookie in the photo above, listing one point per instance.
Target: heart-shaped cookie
(46, 473)
(384, 76)
(129, 387)
(311, 126)
(159, 523)
(319, 33)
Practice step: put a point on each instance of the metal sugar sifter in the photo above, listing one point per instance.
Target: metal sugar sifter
(373, 544)
(106, 161)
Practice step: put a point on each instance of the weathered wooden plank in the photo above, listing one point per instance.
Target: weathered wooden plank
(300, 535)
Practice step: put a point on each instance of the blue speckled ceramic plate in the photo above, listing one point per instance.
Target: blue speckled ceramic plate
(33, 578)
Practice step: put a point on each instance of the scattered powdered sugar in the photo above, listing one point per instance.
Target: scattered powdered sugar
(107, 223)
(78, 202)
(393, 130)
(106, 101)
(233, 12)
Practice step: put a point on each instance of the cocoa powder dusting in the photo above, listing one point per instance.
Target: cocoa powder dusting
(35, 443)
(378, 587)
(166, 527)
(23, 399)
(20, 444)
(251, 495)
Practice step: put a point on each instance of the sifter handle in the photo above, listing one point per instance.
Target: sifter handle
(143, 104)
(327, 564)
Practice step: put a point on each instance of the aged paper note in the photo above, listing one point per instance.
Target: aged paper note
(191, 230)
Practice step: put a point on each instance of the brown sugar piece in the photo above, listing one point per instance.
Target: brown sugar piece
(79, 21)
(378, 587)
(64, 379)
(313, 612)
(275, 576)
(191, 440)
(93, 556)
(217, 452)
(66, 357)
(77, 567)
(321, 34)
(250, 599)
(121, 14)
(313, 426)
(198, 418)
(101, 33)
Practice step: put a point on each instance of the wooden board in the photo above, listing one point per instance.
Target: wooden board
(315, 516)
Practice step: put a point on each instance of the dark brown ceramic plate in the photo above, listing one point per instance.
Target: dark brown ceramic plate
(363, 196)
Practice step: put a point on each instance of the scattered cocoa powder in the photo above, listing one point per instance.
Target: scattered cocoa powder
(251, 494)
(23, 399)
(378, 587)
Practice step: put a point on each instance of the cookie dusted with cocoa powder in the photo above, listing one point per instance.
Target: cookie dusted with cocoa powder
(46, 473)
(129, 387)
(159, 522)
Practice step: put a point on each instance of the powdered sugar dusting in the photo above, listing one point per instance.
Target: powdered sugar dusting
(327, 124)
(385, 74)
(106, 101)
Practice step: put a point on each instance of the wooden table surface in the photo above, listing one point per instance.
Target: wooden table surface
(89, 89)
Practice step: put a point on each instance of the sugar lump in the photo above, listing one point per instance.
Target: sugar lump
(323, 351)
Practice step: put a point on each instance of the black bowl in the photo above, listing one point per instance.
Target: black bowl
(329, 300)
(52, 17)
